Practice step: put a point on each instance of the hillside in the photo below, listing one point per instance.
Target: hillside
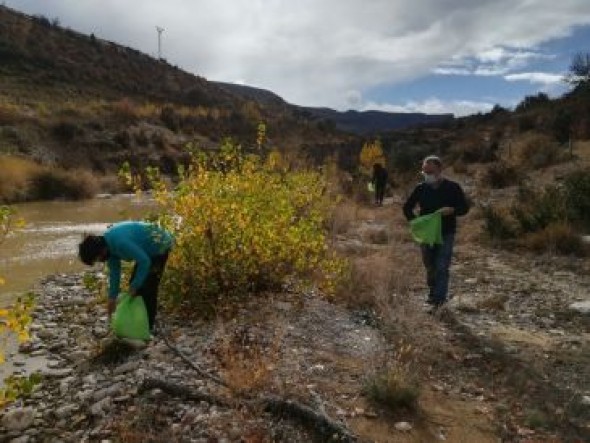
(69, 100)
(74, 101)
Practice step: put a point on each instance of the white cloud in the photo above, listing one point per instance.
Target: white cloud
(452, 71)
(541, 78)
(494, 61)
(314, 52)
(433, 106)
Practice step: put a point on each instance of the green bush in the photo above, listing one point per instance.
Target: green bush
(577, 196)
(557, 237)
(541, 151)
(496, 224)
(537, 210)
(66, 131)
(406, 157)
(545, 220)
(393, 389)
(500, 175)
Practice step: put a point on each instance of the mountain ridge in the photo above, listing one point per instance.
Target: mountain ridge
(365, 122)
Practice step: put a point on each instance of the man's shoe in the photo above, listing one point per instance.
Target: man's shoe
(436, 306)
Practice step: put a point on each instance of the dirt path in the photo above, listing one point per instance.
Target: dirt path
(512, 339)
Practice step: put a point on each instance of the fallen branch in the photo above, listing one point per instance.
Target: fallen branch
(181, 391)
(192, 365)
(326, 428)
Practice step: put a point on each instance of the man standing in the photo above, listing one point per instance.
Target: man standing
(437, 193)
(147, 244)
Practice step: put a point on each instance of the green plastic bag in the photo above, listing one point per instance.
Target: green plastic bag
(427, 229)
(130, 319)
(371, 187)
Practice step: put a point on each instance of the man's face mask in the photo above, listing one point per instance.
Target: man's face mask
(430, 178)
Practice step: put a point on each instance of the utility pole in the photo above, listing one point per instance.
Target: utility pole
(160, 30)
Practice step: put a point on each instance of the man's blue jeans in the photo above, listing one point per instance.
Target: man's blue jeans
(437, 261)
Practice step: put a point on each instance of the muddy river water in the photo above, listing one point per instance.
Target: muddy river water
(48, 242)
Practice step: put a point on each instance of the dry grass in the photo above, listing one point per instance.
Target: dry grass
(369, 282)
(49, 184)
(145, 425)
(377, 236)
(499, 175)
(397, 386)
(125, 110)
(15, 177)
(582, 151)
(495, 302)
(557, 238)
(23, 180)
(343, 217)
(110, 184)
(10, 114)
(535, 151)
(248, 359)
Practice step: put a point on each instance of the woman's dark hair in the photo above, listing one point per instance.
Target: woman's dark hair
(90, 249)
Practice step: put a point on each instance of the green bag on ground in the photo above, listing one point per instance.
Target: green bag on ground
(427, 229)
(130, 319)
(370, 187)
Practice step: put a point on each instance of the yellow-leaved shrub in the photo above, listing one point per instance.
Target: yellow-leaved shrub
(371, 153)
(244, 224)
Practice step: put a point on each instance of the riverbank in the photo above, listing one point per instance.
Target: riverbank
(48, 242)
(91, 391)
(295, 347)
(506, 360)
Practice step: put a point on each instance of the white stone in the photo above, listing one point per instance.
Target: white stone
(65, 411)
(53, 364)
(111, 391)
(56, 373)
(583, 307)
(403, 426)
(18, 419)
(101, 407)
(78, 356)
(84, 396)
(38, 353)
(126, 367)
(586, 400)
(64, 385)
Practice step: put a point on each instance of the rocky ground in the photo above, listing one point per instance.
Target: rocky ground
(533, 315)
(508, 360)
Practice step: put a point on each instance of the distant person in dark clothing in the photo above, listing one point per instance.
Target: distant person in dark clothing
(146, 244)
(379, 181)
(437, 193)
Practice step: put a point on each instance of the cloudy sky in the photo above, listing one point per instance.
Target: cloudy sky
(459, 56)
